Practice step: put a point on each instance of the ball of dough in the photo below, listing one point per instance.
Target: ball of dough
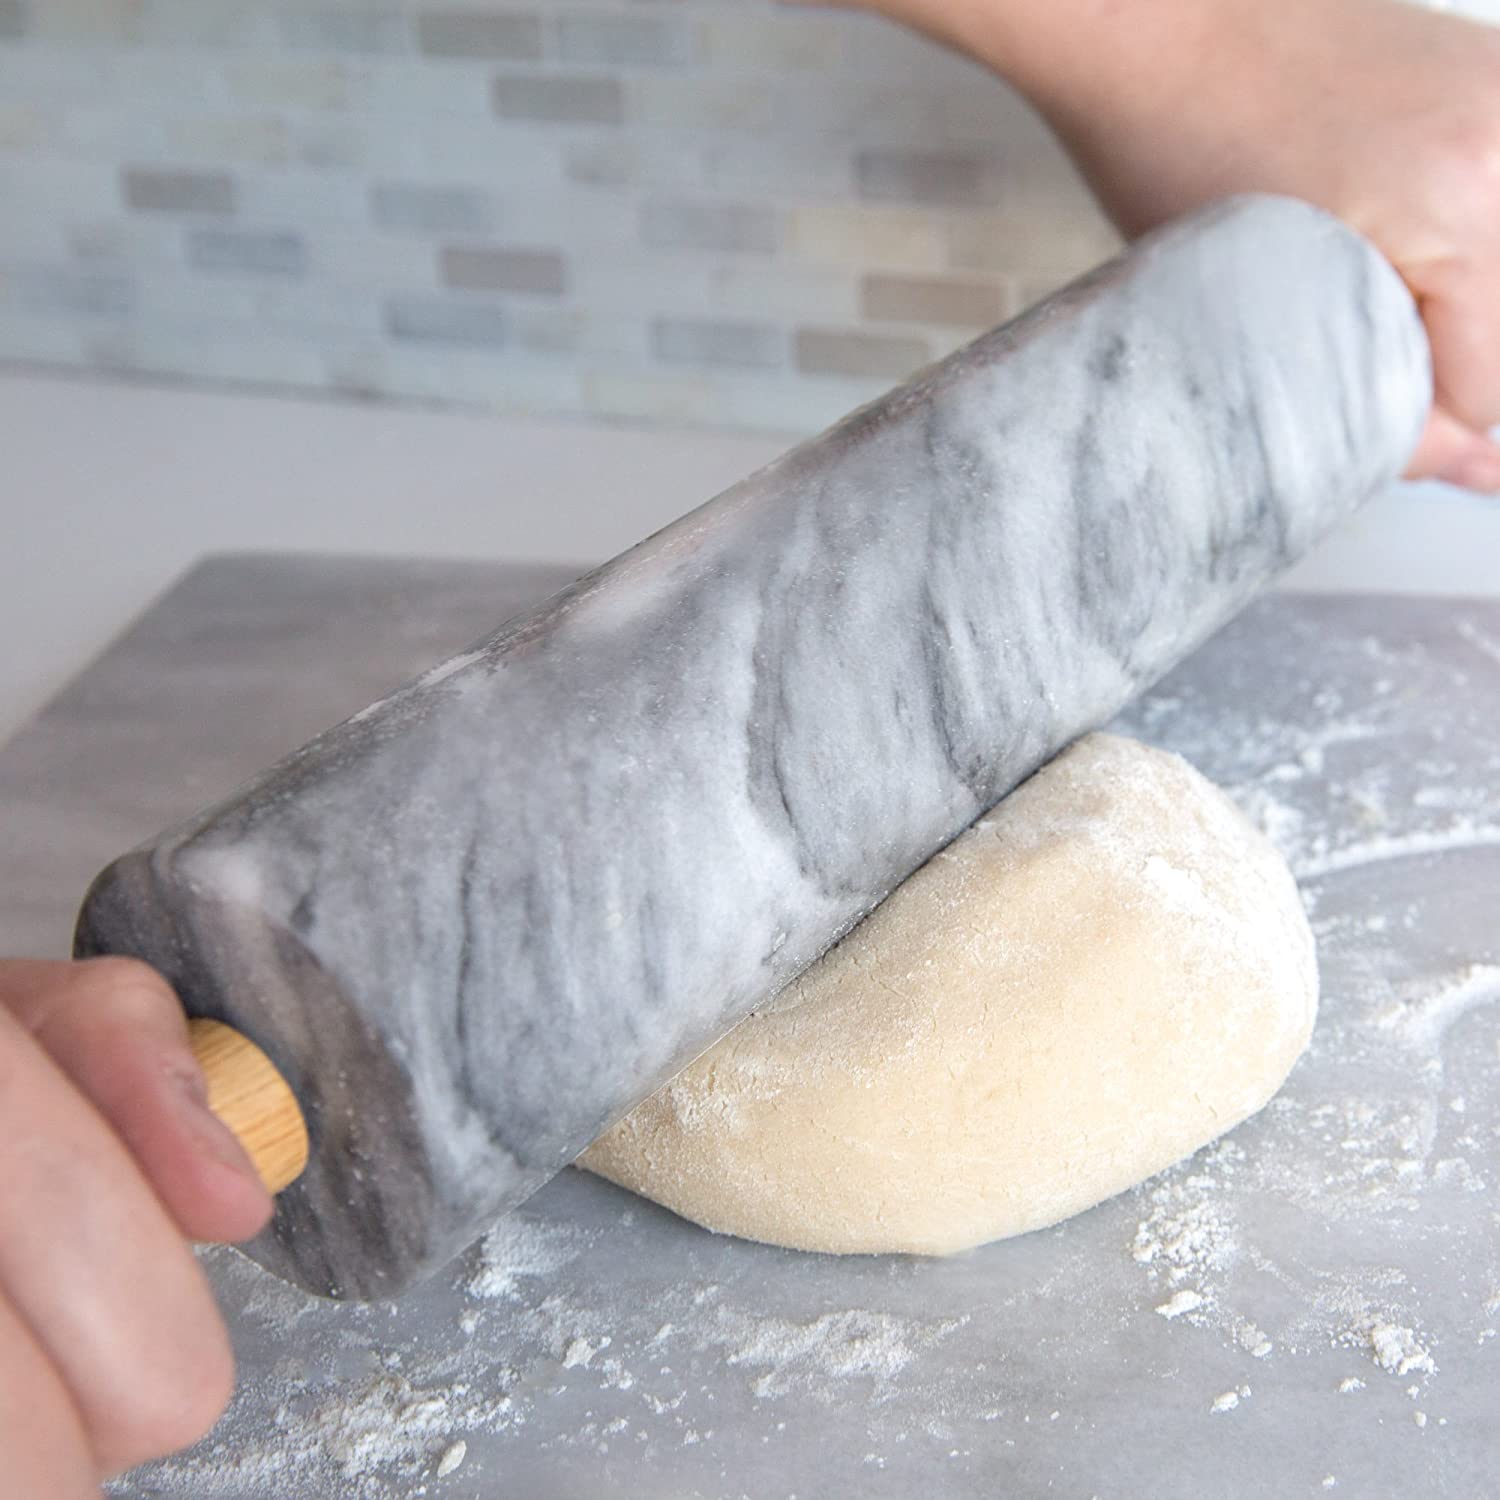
(1109, 970)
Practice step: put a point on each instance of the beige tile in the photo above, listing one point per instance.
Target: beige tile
(292, 83)
(837, 351)
(1061, 239)
(866, 235)
(889, 298)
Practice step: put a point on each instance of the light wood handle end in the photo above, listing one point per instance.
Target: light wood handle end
(247, 1093)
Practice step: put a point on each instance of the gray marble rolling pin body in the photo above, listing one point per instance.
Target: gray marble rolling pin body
(480, 920)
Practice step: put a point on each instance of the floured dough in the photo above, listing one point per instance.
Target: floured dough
(1106, 972)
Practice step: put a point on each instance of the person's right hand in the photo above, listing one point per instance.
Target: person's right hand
(111, 1348)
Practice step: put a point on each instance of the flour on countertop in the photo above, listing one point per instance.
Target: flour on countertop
(1318, 1242)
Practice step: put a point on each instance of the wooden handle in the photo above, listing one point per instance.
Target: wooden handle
(247, 1093)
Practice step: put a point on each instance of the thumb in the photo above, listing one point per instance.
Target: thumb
(1453, 451)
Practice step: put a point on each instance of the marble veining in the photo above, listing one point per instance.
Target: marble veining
(483, 918)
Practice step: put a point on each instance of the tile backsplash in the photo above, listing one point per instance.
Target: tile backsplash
(725, 212)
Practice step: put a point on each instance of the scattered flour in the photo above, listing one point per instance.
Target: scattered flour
(839, 1346)
(453, 1457)
(1422, 1017)
(518, 1249)
(1396, 1349)
(1378, 1122)
(1180, 1302)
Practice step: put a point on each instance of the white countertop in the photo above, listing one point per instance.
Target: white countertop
(112, 490)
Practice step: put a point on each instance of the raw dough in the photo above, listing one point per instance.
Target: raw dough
(1106, 972)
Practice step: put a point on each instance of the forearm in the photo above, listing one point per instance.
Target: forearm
(1381, 112)
(1071, 56)
(1168, 103)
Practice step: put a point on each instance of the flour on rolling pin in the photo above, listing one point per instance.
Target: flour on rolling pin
(481, 920)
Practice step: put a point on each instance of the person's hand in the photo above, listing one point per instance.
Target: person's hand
(1387, 115)
(111, 1348)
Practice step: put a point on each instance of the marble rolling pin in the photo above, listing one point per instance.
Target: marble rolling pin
(477, 922)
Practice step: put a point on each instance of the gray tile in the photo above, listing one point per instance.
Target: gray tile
(610, 161)
(622, 40)
(271, 252)
(834, 351)
(932, 299)
(494, 268)
(687, 224)
(430, 208)
(70, 292)
(168, 191)
(580, 98)
(515, 35)
(438, 320)
(711, 341)
(347, 30)
(13, 18)
(950, 179)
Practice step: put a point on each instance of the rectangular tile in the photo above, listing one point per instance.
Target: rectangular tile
(440, 320)
(164, 190)
(706, 224)
(267, 252)
(937, 178)
(773, 41)
(623, 40)
(88, 21)
(68, 291)
(711, 341)
(516, 36)
(888, 298)
(636, 396)
(681, 102)
(867, 235)
(300, 83)
(354, 30)
(584, 99)
(181, 24)
(497, 268)
(431, 208)
(1058, 240)
(609, 162)
(835, 351)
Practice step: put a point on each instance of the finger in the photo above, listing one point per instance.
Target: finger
(1462, 314)
(94, 1266)
(117, 1030)
(1453, 452)
(46, 1449)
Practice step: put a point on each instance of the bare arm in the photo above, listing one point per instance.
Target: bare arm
(1387, 115)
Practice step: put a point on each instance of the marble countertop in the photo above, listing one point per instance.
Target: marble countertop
(114, 489)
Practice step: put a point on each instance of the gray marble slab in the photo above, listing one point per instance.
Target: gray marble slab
(481, 919)
(1350, 1223)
